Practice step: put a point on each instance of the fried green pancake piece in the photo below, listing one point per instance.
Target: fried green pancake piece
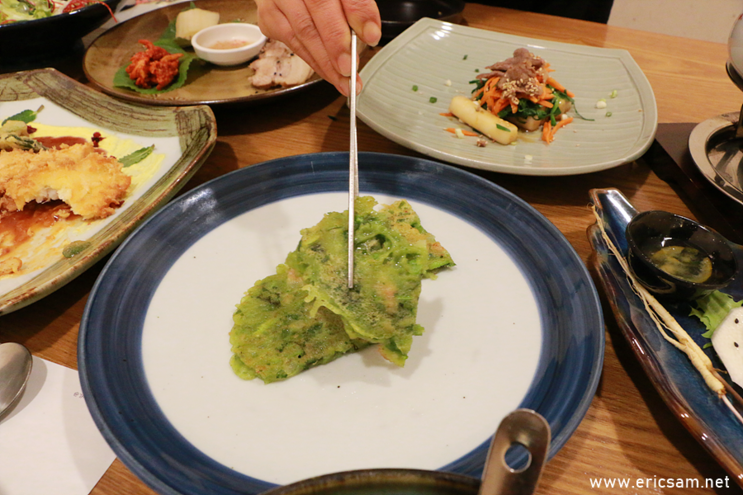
(274, 337)
(305, 315)
(392, 254)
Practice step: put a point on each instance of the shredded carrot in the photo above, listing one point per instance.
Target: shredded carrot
(570, 93)
(559, 87)
(548, 131)
(547, 135)
(447, 114)
(546, 103)
(499, 106)
(466, 133)
(562, 123)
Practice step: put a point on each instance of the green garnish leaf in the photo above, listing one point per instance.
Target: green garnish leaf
(74, 248)
(136, 156)
(25, 116)
(502, 128)
(465, 57)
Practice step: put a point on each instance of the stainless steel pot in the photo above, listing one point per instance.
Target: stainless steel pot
(522, 427)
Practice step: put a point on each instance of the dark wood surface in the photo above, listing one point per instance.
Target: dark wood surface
(628, 433)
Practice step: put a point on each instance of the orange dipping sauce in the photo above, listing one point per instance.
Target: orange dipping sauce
(229, 44)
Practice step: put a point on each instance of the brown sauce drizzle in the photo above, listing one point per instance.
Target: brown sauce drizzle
(20, 226)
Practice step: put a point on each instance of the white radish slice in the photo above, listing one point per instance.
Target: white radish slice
(727, 341)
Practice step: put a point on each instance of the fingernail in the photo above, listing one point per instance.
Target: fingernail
(344, 64)
(372, 33)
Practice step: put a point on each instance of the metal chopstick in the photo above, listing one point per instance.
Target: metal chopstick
(353, 165)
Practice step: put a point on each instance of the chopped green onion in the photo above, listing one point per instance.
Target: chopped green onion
(608, 114)
(465, 57)
(433, 99)
(477, 70)
(415, 87)
(613, 94)
(502, 128)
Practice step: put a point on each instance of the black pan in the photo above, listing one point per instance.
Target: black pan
(398, 15)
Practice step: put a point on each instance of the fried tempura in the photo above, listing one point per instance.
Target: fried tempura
(92, 183)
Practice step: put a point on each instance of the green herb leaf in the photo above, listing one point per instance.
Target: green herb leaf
(25, 116)
(136, 156)
(502, 128)
(74, 248)
(571, 100)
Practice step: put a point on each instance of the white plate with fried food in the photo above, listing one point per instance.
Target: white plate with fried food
(410, 83)
(78, 171)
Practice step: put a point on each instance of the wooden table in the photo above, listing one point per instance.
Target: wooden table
(628, 432)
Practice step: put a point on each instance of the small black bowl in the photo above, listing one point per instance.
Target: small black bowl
(649, 231)
(48, 38)
(398, 15)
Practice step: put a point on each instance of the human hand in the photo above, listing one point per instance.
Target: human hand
(318, 31)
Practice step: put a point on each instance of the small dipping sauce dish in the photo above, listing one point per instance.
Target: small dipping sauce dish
(231, 43)
(675, 257)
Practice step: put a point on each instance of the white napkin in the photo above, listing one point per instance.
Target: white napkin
(48, 441)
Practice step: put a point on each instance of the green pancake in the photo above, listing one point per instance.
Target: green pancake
(305, 315)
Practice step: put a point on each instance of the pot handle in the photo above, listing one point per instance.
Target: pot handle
(521, 427)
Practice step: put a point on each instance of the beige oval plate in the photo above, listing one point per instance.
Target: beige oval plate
(183, 138)
(207, 84)
(410, 82)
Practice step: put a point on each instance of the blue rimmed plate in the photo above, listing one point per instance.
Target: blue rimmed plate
(517, 323)
(679, 384)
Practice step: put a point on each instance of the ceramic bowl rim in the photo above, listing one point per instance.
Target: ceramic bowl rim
(245, 48)
(718, 238)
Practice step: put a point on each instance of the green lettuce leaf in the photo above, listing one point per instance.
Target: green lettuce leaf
(712, 309)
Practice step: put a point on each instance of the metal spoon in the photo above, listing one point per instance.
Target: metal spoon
(521, 427)
(15, 369)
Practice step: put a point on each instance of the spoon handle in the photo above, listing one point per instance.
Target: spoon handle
(528, 429)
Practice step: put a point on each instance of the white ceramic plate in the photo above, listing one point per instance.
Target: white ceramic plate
(440, 59)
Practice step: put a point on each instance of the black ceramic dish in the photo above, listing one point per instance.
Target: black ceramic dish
(398, 15)
(51, 37)
(666, 229)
